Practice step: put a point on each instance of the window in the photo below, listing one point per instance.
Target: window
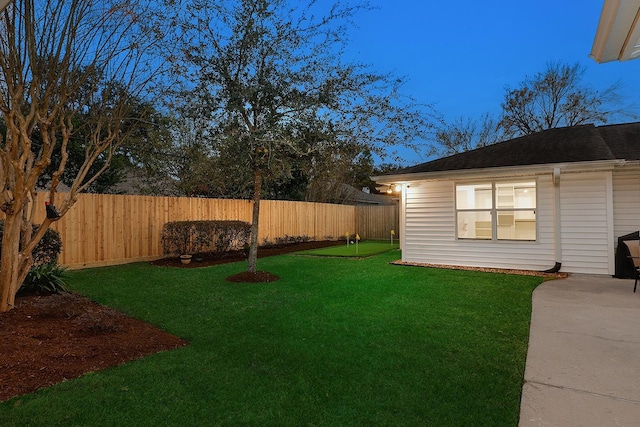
(503, 210)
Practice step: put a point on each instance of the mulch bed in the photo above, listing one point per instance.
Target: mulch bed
(50, 339)
(547, 276)
(207, 260)
(253, 277)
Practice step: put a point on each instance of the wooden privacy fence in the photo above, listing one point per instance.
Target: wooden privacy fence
(376, 222)
(104, 229)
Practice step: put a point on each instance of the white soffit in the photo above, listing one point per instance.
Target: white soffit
(618, 33)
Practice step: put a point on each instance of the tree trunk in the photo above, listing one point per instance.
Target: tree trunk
(10, 262)
(253, 248)
(16, 259)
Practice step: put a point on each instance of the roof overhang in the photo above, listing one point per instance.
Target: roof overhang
(4, 3)
(618, 34)
(500, 172)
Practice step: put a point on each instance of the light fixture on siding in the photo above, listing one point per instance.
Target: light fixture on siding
(394, 188)
(390, 188)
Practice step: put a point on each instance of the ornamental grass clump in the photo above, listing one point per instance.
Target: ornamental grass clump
(44, 279)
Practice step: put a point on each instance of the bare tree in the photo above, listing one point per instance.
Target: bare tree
(466, 134)
(557, 97)
(59, 58)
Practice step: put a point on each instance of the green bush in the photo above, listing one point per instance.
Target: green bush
(197, 237)
(47, 250)
(44, 278)
(286, 240)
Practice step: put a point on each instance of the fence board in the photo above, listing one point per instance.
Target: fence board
(376, 222)
(104, 229)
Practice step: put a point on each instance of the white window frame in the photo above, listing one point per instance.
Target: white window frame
(494, 211)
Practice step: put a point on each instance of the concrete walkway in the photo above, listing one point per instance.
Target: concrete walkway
(583, 363)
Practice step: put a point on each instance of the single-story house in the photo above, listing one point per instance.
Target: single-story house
(558, 198)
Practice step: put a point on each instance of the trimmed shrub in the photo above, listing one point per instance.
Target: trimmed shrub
(197, 237)
(47, 250)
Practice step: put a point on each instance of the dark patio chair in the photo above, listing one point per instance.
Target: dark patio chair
(634, 251)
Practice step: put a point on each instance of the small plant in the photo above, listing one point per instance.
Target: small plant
(285, 240)
(44, 278)
(98, 322)
(63, 306)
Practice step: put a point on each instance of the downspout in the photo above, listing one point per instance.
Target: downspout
(557, 228)
(402, 212)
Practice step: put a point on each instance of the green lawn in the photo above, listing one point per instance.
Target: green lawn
(362, 249)
(336, 342)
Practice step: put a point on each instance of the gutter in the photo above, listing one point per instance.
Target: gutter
(499, 172)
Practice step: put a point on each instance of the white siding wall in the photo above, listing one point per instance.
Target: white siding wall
(587, 226)
(626, 200)
(430, 232)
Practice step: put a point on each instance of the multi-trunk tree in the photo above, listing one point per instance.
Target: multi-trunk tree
(59, 60)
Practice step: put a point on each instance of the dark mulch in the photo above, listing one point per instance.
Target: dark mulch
(49, 339)
(206, 260)
(253, 277)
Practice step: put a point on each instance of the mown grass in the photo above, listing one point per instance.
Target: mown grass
(362, 249)
(337, 341)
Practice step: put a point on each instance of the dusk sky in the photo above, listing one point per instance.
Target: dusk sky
(460, 55)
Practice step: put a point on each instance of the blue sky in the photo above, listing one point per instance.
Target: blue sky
(460, 55)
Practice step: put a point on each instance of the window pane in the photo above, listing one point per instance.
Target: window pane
(474, 225)
(511, 195)
(516, 225)
(525, 197)
(473, 196)
(504, 196)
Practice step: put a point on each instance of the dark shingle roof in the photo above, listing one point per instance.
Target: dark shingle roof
(560, 145)
(623, 140)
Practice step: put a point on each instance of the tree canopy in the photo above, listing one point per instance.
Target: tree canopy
(272, 86)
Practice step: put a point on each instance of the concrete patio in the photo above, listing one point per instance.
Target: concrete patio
(583, 363)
